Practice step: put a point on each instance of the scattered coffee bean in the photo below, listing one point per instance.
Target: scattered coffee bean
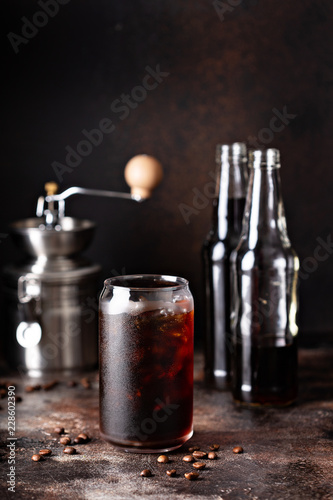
(84, 436)
(50, 385)
(69, 450)
(32, 388)
(188, 458)
(59, 430)
(163, 459)
(171, 472)
(199, 454)
(191, 476)
(3, 393)
(45, 452)
(5, 385)
(18, 399)
(71, 383)
(194, 448)
(212, 455)
(238, 449)
(214, 447)
(78, 440)
(36, 458)
(85, 382)
(199, 465)
(146, 473)
(65, 440)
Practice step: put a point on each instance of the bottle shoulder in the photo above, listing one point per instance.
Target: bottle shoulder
(264, 256)
(215, 246)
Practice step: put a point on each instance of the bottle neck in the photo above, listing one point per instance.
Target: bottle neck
(230, 197)
(264, 218)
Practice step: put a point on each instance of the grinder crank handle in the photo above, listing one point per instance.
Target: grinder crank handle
(143, 173)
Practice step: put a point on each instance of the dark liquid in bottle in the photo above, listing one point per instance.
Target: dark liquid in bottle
(217, 274)
(265, 375)
(146, 384)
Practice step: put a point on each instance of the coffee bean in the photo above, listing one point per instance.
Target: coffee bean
(194, 448)
(199, 465)
(85, 382)
(171, 472)
(59, 430)
(78, 440)
(3, 393)
(146, 473)
(191, 476)
(212, 455)
(199, 454)
(214, 447)
(32, 388)
(36, 458)
(69, 450)
(45, 452)
(50, 385)
(188, 458)
(163, 459)
(238, 449)
(84, 436)
(71, 383)
(18, 399)
(65, 440)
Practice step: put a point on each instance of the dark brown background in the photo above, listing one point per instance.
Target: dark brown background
(225, 78)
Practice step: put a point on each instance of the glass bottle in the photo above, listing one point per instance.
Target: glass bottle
(264, 270)
(228, 209)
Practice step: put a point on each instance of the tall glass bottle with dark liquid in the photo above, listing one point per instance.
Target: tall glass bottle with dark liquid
(264, 300)
(228, 208)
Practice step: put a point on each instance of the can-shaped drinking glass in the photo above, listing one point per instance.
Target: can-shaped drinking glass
(146, 362)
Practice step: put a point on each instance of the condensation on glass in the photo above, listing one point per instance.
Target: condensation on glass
(146, 362)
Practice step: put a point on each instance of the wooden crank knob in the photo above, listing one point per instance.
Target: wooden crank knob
(51, 188)
(143, 173)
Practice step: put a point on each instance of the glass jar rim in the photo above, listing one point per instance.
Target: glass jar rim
(123, 282)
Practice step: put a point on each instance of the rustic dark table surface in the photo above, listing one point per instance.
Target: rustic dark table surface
(288, 453)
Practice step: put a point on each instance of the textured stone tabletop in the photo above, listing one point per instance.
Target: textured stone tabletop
(288, 453)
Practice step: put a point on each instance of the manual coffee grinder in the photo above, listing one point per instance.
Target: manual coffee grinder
(45, 328)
